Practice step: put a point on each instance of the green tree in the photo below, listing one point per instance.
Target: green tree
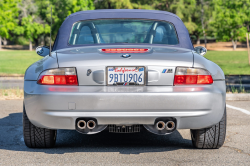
(31, 24)
(32, 29)
(195, 14)
(113, 4)
(190, 11)
(228, 19)
(246, 10)
(126, 4)
(61, 9)
(133, 4)
(185, 9)
(8, 18)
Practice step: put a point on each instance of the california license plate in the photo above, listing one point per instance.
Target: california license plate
(125, 75)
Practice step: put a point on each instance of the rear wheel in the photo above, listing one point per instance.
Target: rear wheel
(212, 137)
(36, 137)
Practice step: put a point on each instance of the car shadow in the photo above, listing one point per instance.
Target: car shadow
(70, 141)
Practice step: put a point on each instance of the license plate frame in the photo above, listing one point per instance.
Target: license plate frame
(144, 81)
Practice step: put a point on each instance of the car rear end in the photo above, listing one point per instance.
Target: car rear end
(125, 91)
(123, 86)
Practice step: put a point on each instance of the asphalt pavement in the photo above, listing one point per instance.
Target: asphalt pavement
(107, 148)
(11, 82)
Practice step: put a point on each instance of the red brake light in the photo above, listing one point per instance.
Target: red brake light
(192, 79)
(207, 79)
(190, 76)
(58, 80)
(60, 76)
(47, 80)
(125, 50)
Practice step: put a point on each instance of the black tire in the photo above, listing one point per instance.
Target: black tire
(36, 137)
(212, 137)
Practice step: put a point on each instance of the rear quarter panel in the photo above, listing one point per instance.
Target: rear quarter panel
(201, 62)
(34, 70)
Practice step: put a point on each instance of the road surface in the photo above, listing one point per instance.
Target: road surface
(106, 148)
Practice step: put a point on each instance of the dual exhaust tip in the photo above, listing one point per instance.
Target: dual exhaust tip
(169, 125)
(81, 124)
(91, 124)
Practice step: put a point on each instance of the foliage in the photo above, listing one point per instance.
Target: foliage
(225, 19)
(21, 40)
(32, 29)
(228, 19)
(188, 10)
(8, 17)
(30, 21)
(126, 4)
(245, 9)
(113, 4)
(61, 9)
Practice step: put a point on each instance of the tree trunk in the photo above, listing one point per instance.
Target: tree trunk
(0, 42)
(234, 44)
(248, 48)
(36, 41)
(205, 40)
(44, 40)
(5, 41)
(198, 40)
(30, 45)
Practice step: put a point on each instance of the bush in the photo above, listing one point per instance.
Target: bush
(22, 41)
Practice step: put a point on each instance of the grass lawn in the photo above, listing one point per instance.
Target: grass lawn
(16, 62)
(231, 62)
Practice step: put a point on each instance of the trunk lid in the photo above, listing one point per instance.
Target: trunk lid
(158, 59)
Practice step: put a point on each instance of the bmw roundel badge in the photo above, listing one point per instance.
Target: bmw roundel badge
(126, 56)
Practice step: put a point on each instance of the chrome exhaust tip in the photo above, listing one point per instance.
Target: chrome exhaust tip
(170, 125)
(91, 124)
(81, 124)
(160, 125)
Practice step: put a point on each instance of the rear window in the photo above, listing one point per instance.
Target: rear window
(123, 31)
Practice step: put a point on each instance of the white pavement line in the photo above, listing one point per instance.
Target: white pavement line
(239, 109)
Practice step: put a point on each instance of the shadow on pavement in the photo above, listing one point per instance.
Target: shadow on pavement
(70, 141)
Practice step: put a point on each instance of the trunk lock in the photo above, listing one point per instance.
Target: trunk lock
(89, 71)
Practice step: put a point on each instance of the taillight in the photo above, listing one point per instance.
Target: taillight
(191, 76)
(125, 50)
(61, 76)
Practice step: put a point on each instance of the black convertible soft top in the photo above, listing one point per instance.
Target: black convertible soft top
(65, 29)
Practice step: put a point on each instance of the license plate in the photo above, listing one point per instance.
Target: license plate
(125, 75)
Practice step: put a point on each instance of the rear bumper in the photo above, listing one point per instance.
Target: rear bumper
(57, 107)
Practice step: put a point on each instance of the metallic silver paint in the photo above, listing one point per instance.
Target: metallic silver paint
(214, 69)
(193, 106)
(152, 60)
(98, 76)
(36, 68)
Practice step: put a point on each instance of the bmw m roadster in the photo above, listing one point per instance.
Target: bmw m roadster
(122, 70)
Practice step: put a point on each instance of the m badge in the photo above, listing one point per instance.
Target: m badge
(167, 71)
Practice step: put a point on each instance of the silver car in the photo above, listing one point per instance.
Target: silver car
(122, 70)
